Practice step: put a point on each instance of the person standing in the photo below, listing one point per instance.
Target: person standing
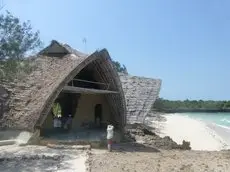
(55, 122)
(59, 121)
(68, 122)
(110, 137)
(57, 113)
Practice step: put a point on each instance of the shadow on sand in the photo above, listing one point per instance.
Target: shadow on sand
(28, 165)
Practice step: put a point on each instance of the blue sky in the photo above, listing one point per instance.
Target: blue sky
(186, 43)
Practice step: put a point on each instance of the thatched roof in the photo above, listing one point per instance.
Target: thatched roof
(32, 98)
(140, 94)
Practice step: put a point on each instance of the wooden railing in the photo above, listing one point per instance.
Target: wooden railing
(92, 82)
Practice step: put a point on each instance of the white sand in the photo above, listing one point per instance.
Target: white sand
(181, 128)
(23, 137)
(75, 164)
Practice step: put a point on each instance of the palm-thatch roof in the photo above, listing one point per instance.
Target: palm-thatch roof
(32, 98)
(140, 94)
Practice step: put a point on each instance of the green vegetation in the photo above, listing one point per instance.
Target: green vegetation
(120, 68)
(191, 105)
(16, 41)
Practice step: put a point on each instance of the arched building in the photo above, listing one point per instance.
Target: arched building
(86, 86)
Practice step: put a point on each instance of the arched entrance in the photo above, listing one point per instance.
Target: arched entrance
(86, 97)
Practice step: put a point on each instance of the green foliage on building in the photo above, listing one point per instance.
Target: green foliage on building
(120, 68)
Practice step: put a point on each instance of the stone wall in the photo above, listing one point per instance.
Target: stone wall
(140, 94)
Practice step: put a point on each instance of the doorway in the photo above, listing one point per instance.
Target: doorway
(98, 114)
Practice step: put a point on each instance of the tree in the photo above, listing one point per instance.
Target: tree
(16, 38)
(120, 68)
(191, 105)
(16, 41)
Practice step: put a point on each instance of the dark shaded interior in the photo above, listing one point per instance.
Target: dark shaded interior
(86, 78)
(68, 102)
(98, 112)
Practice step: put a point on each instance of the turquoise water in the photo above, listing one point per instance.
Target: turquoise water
(221, 119)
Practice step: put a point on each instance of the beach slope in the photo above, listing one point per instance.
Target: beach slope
(199, 134)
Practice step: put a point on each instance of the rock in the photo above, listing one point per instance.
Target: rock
(143, 134)
(185, 145)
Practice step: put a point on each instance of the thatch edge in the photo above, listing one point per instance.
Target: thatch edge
(118, 81)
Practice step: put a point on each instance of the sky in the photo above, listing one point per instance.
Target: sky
(185, 43)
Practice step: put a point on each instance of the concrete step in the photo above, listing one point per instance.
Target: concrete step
(68, 144)
(7, 142)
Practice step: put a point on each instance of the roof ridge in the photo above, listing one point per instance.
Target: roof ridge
(66, 47)
(72, 50)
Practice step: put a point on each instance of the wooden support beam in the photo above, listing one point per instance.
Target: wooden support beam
(69, 89)
(91, 82)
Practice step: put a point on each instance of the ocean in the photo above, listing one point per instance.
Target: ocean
(221, 119)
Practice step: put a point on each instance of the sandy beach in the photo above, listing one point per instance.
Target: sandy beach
(163, 161)
(201, 135)
(131, 156)
(205, 155)
(123, 158)
(223, 132)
